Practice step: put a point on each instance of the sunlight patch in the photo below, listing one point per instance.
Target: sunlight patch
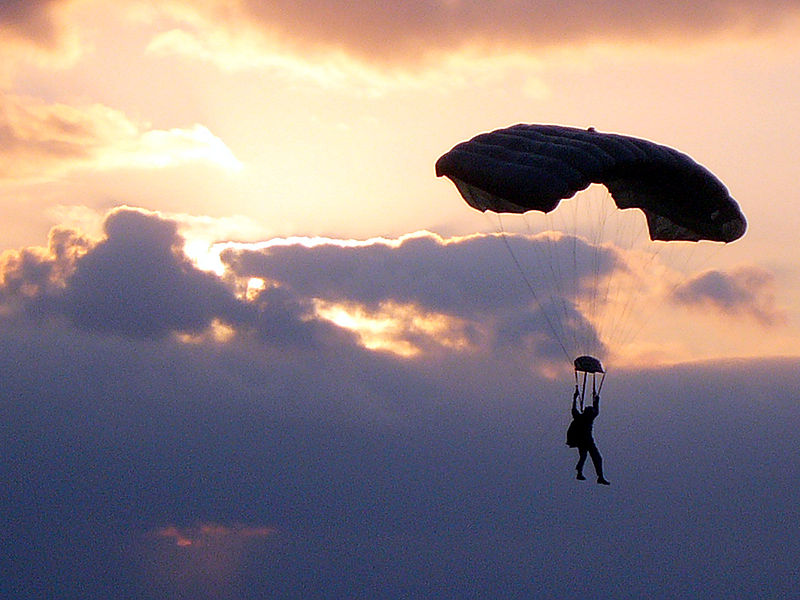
(217, 331)
(159, 149)
(402, 329)
(45, 140)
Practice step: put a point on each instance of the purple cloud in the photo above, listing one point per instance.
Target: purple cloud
(474, 279)
(137, 282)
(468, 277)
(746, 291)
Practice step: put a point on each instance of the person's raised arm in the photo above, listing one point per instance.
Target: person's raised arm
(596, 402)
(575, 397)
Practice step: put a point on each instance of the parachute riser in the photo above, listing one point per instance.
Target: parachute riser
(588, 364)
(582, 385)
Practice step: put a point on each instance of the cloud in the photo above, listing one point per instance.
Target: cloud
(419, 296)
(391, 33)
(146, 466)
(746, 291)
(246, 32)
(535, 299)
(40, 141)
(40, 33)
(465, 276)
(137, 282)
(470, 283)
(32, 273)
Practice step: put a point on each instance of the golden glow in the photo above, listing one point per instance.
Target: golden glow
(203, 257)
(48, 140)
(314, 241)
(201, 233)
(173, 533)
(217, 332)
(255, 285)
(402, 329)
(247, 52)
(156, 149)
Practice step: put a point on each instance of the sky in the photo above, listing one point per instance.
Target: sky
(253, 347)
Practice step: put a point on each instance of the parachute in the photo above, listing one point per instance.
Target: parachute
(526, 168)
(533, 167)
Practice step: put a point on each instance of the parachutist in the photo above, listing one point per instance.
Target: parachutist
(579, 435)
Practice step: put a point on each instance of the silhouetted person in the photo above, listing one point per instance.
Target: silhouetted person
(579, 435)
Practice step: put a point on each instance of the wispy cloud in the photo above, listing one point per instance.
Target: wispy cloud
(746, 292)
(395, 33)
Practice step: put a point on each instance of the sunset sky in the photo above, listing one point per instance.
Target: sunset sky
(244, 324)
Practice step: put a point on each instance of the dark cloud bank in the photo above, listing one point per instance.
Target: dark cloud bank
(291, 463)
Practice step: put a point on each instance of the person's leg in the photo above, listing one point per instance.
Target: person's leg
(597, 460)
(581, 461)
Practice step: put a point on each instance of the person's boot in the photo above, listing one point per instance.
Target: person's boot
(580, 476)
(602, 481)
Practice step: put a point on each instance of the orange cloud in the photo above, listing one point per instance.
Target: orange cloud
(213, 534)
(40, 140)
(207, 557)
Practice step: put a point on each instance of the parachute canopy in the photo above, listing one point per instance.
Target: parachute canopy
(534, 167)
